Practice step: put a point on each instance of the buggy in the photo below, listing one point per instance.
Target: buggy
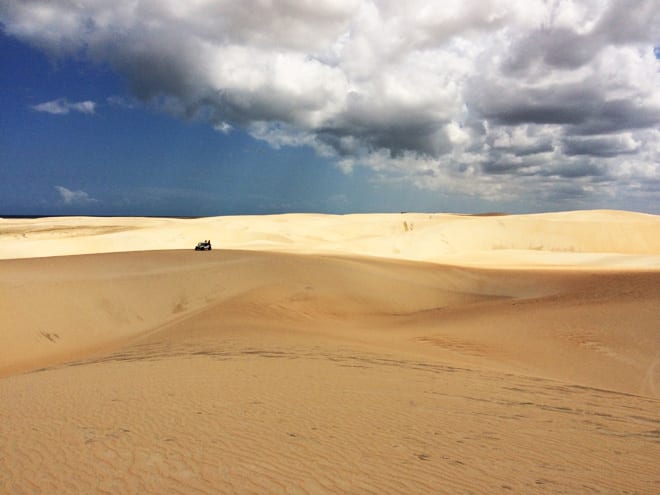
(203, 246)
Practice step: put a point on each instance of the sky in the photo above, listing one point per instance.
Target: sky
(216, 107)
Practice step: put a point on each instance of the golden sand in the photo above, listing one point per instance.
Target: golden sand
(412, 353)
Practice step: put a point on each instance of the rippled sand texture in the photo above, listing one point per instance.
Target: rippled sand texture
(311, 359)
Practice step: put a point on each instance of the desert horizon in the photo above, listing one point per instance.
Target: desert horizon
(313, 353)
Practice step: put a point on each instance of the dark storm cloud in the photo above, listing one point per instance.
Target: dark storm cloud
(504, 103)
(614, 115)
(602, 146)
(583, 110)
(576, 170)
(396, 127)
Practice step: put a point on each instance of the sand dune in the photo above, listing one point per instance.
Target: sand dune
(408, 353)
(584, 238)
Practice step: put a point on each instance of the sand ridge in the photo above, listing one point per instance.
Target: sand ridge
(312, 359)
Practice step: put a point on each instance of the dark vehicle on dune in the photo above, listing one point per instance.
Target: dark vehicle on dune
(203, 246)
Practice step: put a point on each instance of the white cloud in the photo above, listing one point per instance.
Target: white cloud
(495, 97)
(223, 127)
(121, 102)
(62, 106)
(70, 197)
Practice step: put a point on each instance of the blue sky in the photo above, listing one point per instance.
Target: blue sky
(132, 159)
(350, 106)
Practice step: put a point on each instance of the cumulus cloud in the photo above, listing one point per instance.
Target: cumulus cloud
(70, 197)
(497, 98)
(62, 106)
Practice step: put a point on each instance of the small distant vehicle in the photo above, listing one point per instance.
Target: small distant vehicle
(203, 246)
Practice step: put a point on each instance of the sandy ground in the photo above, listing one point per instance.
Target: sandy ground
(412, 353)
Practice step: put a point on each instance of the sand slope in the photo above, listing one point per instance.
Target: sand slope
(531, 365)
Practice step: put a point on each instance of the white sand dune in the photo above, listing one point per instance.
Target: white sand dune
(583, 238)
(411, 353)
